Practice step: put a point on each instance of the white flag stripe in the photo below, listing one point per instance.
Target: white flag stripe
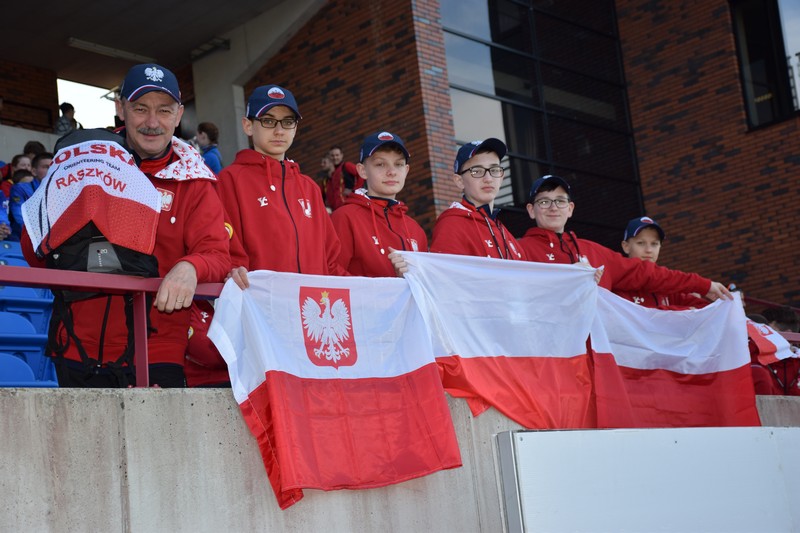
(261, 328)
(480, 306)
(697, 341)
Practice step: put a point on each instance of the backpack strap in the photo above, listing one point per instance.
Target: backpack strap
(63, 315)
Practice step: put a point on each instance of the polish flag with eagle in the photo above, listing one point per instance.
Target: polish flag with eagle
(336, 379)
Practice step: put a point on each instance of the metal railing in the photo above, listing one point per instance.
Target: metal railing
(108, 284)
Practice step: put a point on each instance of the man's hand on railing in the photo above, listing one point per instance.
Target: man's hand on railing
(177, 289)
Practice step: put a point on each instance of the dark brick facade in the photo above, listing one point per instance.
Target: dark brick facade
(30, 96)
(728, 198)
(363, 66)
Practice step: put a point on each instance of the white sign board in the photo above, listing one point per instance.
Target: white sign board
(687, 479)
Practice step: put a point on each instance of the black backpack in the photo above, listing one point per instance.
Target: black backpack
(89, 251)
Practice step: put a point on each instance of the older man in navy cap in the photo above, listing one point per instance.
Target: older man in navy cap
(191, 243)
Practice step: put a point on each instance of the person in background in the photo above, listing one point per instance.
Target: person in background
(207, 139)
(66, 123)
(343, 180)
(22, 190)
(18, 162)
(782, 319)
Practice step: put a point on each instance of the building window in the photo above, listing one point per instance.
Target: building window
(768, 46)
(546, 78)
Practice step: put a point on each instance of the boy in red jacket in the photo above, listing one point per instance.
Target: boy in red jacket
(642, 240)
(471, 227)
(275, 212)
(550, 205)
(372, 220)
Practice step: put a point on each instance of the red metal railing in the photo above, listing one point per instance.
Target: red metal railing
(110, 284)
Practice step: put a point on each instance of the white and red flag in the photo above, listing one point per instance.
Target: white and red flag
(769, 345)
(512, 335)
(336, 379)
(94, 181)
(680, 368)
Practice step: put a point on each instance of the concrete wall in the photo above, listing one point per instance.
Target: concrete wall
(183, 460)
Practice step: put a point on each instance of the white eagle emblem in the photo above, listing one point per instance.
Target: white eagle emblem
(154, 74)
(329, 327)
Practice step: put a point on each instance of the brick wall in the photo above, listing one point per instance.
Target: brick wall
(363, 66)
(728, 198)
(30, 96)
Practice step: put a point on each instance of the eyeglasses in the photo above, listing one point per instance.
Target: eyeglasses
(479, 172)
(545, 203)
(272, 123)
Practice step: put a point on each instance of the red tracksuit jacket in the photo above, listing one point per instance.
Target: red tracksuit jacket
(462, 229)
(367, 227)
(621, 273)
(278, 216)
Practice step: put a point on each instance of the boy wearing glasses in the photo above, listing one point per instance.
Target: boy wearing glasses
(372, 222)
(471, 227)
(550, 205)
(275, 212)
(275, 217)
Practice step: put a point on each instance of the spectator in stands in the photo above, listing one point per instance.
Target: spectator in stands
(326, 169)
(372, 220)
(550, 205)
(343, 181)
(5, 224)
(471, 226)
(207, 139)
(33, 148)
(22, 190)
(66, 123)
(782, 319)
(642, 239)
(18, 162)
(191, 243)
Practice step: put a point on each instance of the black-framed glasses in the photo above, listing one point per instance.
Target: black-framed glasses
(545, 203)
(289, 123)
(478, 172)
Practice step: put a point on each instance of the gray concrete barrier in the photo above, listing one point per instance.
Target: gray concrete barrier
(183, 460)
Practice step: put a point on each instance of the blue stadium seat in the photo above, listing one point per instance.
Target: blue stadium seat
(14, 372)
(29, 303)
(19, 338)
(10, 248)
(13, 260)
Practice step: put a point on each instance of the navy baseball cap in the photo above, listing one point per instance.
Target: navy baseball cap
(376, 140)
(468, 150)
(638, 224)
(269, 96)
(550, 178)
(148, 77)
